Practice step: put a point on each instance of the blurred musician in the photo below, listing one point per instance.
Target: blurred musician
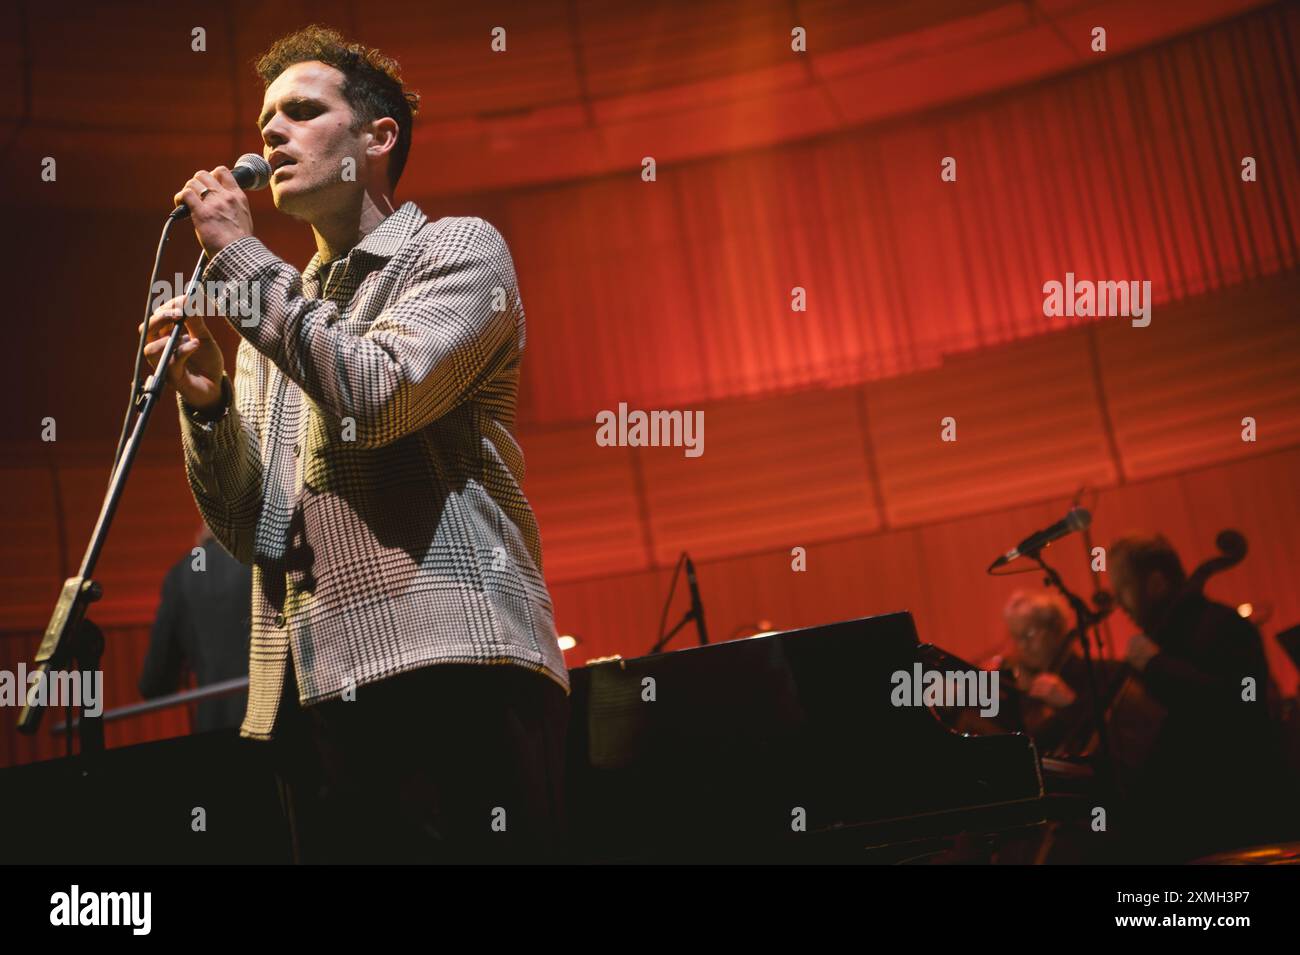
(202, 625)
(1042, 662)
(1214, 776)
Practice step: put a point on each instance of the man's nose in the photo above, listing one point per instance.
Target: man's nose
(272, 134)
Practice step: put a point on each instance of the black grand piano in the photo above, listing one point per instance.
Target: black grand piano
(787, 747)
(776, 748)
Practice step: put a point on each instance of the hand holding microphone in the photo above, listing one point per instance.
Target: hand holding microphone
(215, 200)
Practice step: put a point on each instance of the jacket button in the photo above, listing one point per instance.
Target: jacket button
(279, 620)
(297, 449)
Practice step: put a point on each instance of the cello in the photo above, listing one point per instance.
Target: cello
(1133, 717)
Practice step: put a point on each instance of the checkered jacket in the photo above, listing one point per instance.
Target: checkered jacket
(365, 465)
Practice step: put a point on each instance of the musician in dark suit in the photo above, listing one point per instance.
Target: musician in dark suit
(1214, 778)
(202, 625)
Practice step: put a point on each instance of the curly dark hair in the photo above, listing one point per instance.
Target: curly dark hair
(372, 83)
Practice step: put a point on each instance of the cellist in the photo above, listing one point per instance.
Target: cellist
(1214, 777)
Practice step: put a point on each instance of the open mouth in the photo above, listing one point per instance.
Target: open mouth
(281, 164)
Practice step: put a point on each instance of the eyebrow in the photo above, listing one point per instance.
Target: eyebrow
(288, 101)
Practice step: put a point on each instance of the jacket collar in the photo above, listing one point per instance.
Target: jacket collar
(384, 240)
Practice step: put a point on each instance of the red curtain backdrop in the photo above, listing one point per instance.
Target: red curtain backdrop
(822, 428)
(679, 291)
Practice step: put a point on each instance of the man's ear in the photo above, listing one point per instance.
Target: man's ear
(382, 137)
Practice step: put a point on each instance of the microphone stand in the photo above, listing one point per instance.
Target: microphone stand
(1085, 619)
(70, 637)
(686, 618)
(1103, 629)
(696, 612)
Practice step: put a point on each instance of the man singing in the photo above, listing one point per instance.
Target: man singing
(404, 658)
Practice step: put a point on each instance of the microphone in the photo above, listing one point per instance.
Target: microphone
(697, 605)
(1076, 520)
(250, 170)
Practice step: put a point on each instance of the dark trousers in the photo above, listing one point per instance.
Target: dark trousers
(449, 763)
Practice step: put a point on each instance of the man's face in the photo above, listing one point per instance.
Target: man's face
(1142, 600)
(309, 130)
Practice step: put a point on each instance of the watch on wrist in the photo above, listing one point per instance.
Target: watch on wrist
(208, 420)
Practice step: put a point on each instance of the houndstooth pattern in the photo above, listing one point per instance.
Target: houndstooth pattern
(411, 544)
